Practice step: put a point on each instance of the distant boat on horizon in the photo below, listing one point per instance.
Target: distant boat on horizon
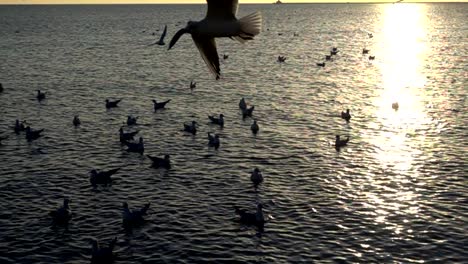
(278, 2)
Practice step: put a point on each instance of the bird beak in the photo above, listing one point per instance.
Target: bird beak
(177, 37)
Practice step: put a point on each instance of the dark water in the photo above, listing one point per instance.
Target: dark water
(396, 194)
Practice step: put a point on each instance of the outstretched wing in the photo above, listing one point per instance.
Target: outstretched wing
(163, 34)
(222, 9)
(207, 48)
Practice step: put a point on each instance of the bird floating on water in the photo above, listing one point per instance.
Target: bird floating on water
(160, 162)
(131, 120)
(160, 105)
(101, 177)
(40, 95)
(220, 21)
(248, 218)
(371, 57)
(254, 127)
(33, 134)
(395, 106)
(242, 104)
(19, 126)
(321, 64)
(76, 121)
(217, 121)
(112, 104)
(365, 51)
(225, 56)
(340, 142)
(191, 128)
(124, 137)
(102, 255)
(1, 88)
(256, 177)
(281, 59)
(346, 115)
(63, 214)
(134, 217)
(136, 147)
(213, 141)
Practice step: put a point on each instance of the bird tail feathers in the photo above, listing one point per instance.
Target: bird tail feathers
(250, 25)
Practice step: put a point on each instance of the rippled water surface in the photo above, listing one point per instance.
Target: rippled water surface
(396, 193)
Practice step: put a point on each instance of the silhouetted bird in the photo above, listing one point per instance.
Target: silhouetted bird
(63, 214)
(40, 95)
(136, 147)
(33, 134)
(341, 142)
(334, 49)
(134, 217)
(281, 59)
(217, 121)
(112, 104)
(242, 104)
(395, 106)
(160, 42)
(321, 64)
(160, 105)
(76, 121)
(193, 85)
(19, 126)
(220, 21)
(346, 115)
(254, 127)
(225, 57)
(191, 128)
(1, 88)
(365, 51)
(370, 35)
(256, 177)
(213, 141)
(102, 177)
(247, 218)
(131, 120)
(248, 112)
(102, 255)
(124, 137)
(371, 57)
(160, 162)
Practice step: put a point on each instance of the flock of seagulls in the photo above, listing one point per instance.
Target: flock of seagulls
(220, 21)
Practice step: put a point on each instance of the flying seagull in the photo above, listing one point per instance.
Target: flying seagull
(160, 42)
(220, 22)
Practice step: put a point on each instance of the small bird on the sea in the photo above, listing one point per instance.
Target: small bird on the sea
(160, 105)
(131, 120)
(340, 142)
(102, 255)
(160, 42)
(242, 104)
(134, 217)
(370, 35)
(191, 128)
(248, 218)
(281, 59)
(254, 127)
(136, 147)
(3, 138)
(334, 49)
(193, 85)
(19, 126)
(101, 177)
(217, 121)
(63, 214)
(346, 115)
(112, 104)
(160, 162)
(124, 137)
(256, 177)
(371, 57)
(365, 51)
(321, 64)
(1, 88)
(33, 134)
(220, 21)
(395, 106)
(213, 141)
(225, 56)
(40, 95)
(328, 57)
(76, 121)
(248, 111)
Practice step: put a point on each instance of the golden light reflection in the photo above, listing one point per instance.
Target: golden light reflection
(402, 53)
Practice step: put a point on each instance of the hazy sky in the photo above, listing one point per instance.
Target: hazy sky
(187, 1)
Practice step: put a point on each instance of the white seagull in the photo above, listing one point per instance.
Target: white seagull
(220, 22)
